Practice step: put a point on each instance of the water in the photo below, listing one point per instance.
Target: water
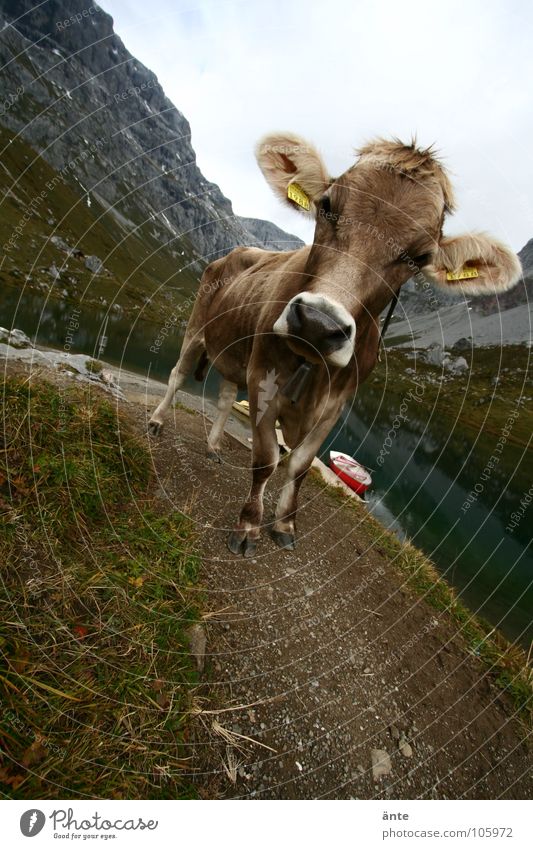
(417, 492)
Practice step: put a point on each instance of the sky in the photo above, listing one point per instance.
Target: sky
(458, 73)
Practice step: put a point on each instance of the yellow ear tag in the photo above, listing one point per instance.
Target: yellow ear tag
(463, 274)
(297, 194)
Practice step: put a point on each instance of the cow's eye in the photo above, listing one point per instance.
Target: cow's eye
(325, 205)
(422, 259)
(419, 260)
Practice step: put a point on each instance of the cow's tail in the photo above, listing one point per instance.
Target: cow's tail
(201, 368)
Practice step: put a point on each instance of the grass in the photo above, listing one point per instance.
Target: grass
(94, 366)
(97, 595)
(483, 398)
(506, 663)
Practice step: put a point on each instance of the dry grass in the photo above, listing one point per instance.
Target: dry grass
(96, 598)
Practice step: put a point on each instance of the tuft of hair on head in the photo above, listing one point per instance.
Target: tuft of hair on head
(409, 159)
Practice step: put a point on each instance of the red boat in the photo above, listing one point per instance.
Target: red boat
(350, 471)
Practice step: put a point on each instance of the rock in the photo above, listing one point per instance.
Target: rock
(107, 377)
(406, 750)
(462, 344)
(404, 746)
(381, 764)
(394, 732)
(434, 354)
(16, 338)
(94, 264)
(60, 244)
(459, 365)
(197, 645)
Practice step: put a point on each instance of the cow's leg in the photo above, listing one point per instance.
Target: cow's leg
(300, 460)
(226, 397)
(265, 455)
(190, 353)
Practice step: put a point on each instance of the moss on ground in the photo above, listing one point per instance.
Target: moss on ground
(96, 598)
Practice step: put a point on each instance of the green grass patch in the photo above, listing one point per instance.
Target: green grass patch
(498, 379)
(94, 366)
(96, 598)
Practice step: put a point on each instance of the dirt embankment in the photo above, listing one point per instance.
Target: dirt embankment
(326, 656)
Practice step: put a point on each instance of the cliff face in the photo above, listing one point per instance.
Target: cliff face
(100, 119)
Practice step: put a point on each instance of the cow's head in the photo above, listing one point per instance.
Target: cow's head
(377, 225)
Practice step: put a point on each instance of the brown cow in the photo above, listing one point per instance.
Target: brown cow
(300, 330)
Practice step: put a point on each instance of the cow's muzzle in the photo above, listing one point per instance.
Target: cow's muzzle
(325, 327)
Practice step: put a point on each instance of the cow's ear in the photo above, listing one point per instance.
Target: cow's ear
(294, 169)
(474, 264)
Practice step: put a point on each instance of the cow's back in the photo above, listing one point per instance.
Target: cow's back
(244, 293)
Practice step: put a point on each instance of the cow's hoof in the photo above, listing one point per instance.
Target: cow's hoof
(154, 428)
(284, 540)
(240, 543)
(214, 456)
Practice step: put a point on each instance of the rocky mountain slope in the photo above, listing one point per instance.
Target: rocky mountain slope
(108, 163)
(270, 236)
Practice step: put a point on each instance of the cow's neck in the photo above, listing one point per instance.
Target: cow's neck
(297, 383)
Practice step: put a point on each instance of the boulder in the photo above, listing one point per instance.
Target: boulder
(94, 264)
(16, 338)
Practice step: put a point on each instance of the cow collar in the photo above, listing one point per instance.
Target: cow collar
(392, 307)
(386, 323)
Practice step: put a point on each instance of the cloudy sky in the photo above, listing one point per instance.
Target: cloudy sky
(456, 73)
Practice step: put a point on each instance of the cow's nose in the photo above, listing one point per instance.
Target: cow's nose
(317, 327)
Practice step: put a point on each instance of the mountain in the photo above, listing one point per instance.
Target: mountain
(268, 235)
(98, 174)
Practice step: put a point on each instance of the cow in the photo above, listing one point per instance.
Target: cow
(300, 330)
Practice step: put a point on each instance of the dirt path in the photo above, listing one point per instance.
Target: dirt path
(324, 655)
